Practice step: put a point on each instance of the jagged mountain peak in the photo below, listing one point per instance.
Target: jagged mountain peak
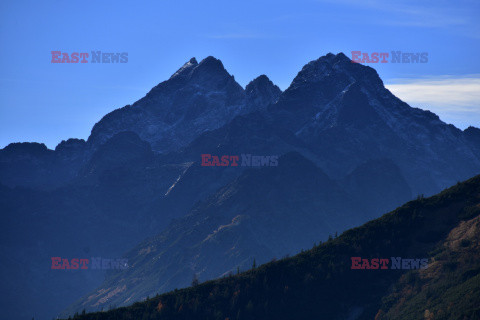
(336, 67)
(261, 92)
(193, 70)
(321, 66)
(334, 58)
(472, 130)
(186, 68)
(26, 147)
(473, 135)
(211, 60)
(320, 86)
(211, 63)
(261, 81)
(70, 144)
(210, 73)
(198, 97)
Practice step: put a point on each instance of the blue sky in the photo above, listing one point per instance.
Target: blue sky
(45, 102)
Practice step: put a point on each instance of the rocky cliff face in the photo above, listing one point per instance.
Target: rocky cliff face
(197, 98)
(345, 114)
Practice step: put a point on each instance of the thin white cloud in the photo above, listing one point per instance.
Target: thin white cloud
(460, 15)
(456, 100)
(446, 92)
(237, 36)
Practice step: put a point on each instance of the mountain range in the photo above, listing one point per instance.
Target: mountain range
(420, 261)
(348, 149)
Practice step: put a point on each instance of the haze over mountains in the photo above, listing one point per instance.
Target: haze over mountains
(323, 283)
(349, 149)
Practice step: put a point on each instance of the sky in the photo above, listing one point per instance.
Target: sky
(49, 102)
